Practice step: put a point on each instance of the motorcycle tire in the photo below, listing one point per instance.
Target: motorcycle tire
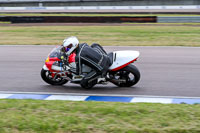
(45, 76)
(124, 75)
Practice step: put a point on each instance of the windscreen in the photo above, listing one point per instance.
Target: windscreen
(56, 52)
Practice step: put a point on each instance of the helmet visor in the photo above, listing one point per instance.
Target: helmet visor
(68, 48)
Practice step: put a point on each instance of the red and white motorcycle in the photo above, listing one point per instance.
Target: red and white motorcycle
(122, 72)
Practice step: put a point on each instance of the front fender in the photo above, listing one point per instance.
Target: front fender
(45, 67)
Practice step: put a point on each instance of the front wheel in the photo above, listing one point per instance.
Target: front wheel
(46, 76)
(127, 76)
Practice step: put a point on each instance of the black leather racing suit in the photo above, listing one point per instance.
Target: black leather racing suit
(95, 57)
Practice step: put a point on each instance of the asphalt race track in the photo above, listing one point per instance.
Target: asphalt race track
(165, 71)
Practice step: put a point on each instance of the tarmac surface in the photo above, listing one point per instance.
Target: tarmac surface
(165, 71)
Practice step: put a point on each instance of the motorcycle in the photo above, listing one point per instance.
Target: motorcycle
(58, 71)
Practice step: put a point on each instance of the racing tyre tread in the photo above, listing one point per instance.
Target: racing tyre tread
(133, 70)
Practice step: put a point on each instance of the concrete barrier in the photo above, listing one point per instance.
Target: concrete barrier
(189, 9)
(15, 3)
(159, 7)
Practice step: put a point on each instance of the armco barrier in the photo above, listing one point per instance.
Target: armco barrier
(80, 19)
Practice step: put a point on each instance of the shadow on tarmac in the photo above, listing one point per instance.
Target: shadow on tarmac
(98, 89)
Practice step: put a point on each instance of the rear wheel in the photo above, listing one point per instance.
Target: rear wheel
(46, 76)
(126, 77)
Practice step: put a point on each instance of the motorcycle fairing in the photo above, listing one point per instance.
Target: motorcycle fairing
(123, 58)
(54, 56)
(45, 67)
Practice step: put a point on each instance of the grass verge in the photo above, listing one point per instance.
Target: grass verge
(133, 35)
(6, 22)
(67, 116)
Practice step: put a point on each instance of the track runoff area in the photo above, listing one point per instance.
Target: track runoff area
(169, 75)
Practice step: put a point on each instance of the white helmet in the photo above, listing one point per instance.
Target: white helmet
(70, 44)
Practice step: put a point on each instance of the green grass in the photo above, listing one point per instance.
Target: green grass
(5, 22)
(66, 14)
(134, 35)
(66, 116)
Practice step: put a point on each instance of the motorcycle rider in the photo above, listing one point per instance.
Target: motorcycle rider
(93, 56)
